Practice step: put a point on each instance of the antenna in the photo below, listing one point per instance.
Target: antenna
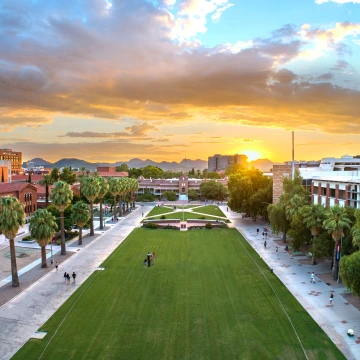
(293, 157)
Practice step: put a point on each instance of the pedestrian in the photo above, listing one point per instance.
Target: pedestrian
(65, 276)
(145, 262)
(277, 249)
(112, 219)
(149, 259)
(153, 257)
(227, 209)
(331, 299)
(265, 244)
(56, 266)
(263, 235)
(68, 278)
(312, 278)
(257, 232)
(266, 234)
(142, 214)
(73, 276)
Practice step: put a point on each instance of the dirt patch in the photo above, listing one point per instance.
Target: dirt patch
(24, 257)
(7, 292)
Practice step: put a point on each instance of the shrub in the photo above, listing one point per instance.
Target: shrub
(27, 238)
(151, 225)
(202, 217)
(208, 226)
(162, 217)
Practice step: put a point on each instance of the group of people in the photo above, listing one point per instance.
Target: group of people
(150, 259)
(264, 233)
(67, 277)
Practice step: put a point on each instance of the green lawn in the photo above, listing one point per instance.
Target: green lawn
(210, 210)
(203, 299)
(187, 215)
(159, 211)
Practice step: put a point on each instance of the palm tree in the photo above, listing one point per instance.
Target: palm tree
(46, 181)
(42, 228)
(336, 223)
(114, 188)
(314, 216)
(80, 216)
(90, 188)
(61, 196)
(12, 217)
(104, 188)
(135, 186)
(355, 231)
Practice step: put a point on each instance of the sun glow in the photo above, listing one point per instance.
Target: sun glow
(251, 154)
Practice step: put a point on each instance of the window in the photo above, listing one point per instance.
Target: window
(332, 193)
(323, 191)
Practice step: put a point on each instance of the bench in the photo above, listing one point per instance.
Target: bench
(297, 253)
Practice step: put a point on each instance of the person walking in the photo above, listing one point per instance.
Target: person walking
(277, 249)
(65, 276)
(149, 259)
(56, 266)
(73, 276)
(265, 244)
(312, 278)
(68, 278)
(145, 262)
(331, 299)
(227, 209)
(263, 235)
(142, 214)
(257, 232)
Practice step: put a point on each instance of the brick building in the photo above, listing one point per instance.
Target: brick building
(26, 193)
(222, 162)
(5, 171)
(15, 157)
(279, 172)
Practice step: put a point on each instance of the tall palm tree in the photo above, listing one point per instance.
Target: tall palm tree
(314, 216)
(336, 222)
(42, 228)
(104, 188)
(61, 196)
(135, 187)
(80, 216)
(12, 217)
(114, 188)
(90, 188)
(355, 230)
(122, 190)
(46, 181)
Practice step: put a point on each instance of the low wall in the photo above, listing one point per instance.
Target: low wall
(162, 221)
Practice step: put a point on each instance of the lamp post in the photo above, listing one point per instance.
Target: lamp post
(338, 279)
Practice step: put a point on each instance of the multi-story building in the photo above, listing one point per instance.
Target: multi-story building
(180, 185)
(15, 157)
(222, 162)
(5, 171)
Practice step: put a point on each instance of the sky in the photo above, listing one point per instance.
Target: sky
(111, 80)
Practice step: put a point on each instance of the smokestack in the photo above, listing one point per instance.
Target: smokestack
(293, 158)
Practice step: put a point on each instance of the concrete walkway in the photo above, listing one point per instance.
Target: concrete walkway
(24, 314)
(335, 320)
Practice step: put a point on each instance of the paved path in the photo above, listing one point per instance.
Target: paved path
(24, 314)
(335, 320)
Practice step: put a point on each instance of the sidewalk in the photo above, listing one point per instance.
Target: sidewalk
(335, 320)
(24, 314)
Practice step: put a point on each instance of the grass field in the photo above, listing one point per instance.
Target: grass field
(204, 299)
(187, 215)
(210, 210)
(159, 211)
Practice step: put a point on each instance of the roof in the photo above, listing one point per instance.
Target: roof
(34, 177)
(113, 174)
(9, 187)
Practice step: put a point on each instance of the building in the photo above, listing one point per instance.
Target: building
(180, 185)
(5, 171)
(26, 194)
(35, 178)
(41, 194)
(15, 157)
(222, 162)
(326, 182)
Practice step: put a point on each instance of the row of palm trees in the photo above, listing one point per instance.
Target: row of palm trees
(43, 224)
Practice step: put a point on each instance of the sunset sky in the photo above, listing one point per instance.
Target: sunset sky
(110, 80)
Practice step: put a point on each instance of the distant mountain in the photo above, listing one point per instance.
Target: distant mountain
(264, 165)
(184, 165)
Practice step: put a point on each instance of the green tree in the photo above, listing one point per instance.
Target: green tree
(278, 220)
(153, 172)
(80, 216)
(314, 217)
(68, 176)
(135, 173)
(122, 168)
(213, 190)
(114, 189)
(61, 196)
(355, 230)
(350, 270)
(169, 195)
(42, 228)
(46, 181)
(213, 175)
(336, 222)
(104, 188)
(193, 194)
(12, 217)
(55, 174)
(90, 188)
(68, 223)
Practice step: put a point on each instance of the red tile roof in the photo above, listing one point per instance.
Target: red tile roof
(34, 177)
(9, 187)
(114, 174)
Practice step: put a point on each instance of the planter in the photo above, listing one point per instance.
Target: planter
(27, 241)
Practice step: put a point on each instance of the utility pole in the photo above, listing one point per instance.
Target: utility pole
(293, 158)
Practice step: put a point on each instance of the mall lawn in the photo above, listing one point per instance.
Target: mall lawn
(204, 298)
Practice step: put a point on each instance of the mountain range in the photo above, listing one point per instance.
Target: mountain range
(184, 165)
